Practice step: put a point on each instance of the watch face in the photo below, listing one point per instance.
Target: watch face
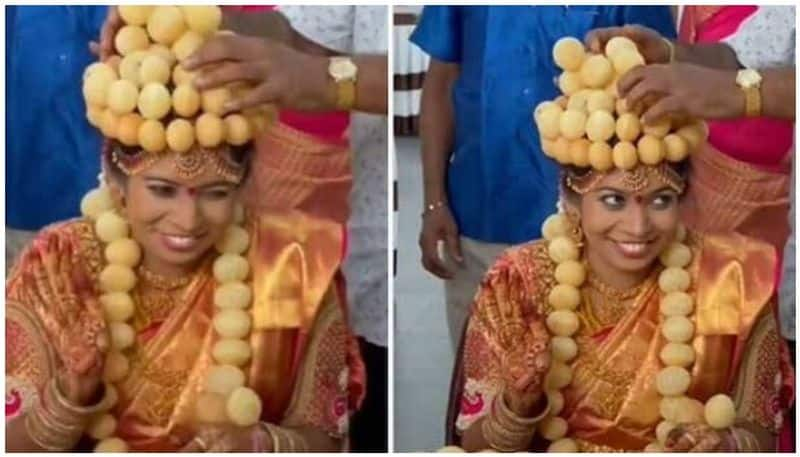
(342, 69)
(748, 78)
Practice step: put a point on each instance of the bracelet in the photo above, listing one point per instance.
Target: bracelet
(431, 207)
(745, 440)
(671, 49)
(276, 445)
(506, 431)
(285, 440)
(73, 408)
(54, 422)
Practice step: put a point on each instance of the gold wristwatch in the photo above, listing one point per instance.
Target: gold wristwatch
(749, 81)
(344, 73)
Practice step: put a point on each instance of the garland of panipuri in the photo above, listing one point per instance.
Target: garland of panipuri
(128, 98)
(577, 130)
(225, 397)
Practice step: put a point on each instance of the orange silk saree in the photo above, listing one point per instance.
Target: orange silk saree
(305, 363)
(612, 403)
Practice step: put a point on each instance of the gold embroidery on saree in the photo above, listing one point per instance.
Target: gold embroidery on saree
(615, 382)
(318, 384)
(165, 387)
(28, 357)
(756, 387)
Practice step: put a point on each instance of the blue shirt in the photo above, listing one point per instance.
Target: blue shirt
(501, 186)
(52, 152)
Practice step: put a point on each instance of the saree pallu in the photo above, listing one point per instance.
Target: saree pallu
(726, 194)
(612, 403)
(297, 197)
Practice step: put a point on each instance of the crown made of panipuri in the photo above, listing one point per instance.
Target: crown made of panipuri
(143, 98)
(589, 126)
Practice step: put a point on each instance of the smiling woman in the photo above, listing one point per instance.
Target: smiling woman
(172, 316)
(620, 330)
(178, 208)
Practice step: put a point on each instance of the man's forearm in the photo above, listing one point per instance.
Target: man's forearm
(272, 25)
(778, 93)
(264, 24)
(437, 128)
(372, 86)
(716, 55)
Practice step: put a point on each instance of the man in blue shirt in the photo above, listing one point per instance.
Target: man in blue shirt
(487, 183)
(51, 150)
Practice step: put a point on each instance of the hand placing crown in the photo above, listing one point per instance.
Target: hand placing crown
(590, 126)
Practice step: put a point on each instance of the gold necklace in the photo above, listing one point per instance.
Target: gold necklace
(609, 292)
(162, 282)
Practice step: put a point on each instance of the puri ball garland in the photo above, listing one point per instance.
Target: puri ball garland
(128, 98)
(577, 129)
(225, 397)
(676, 307)
(589, 126)
(143, 96)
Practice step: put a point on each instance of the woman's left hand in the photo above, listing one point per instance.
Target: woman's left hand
(683, 90)
(698, 438)
(229, 438)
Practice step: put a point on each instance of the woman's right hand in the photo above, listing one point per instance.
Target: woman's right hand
(524, 370)
(74, 318)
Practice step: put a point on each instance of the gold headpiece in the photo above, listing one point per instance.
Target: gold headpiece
(133, 161)
(143, 98)
(589, 126)
(634, 180)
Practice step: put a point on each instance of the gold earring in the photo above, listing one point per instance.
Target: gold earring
(574, 218)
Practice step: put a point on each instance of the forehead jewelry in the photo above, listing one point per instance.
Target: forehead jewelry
(635, 179)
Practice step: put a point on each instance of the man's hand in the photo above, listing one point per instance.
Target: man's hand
(439, 225)
(280, 75)
(649, 42)
(683, 90)
(112, 24)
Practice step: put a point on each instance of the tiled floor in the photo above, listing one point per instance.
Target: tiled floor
(422, 354)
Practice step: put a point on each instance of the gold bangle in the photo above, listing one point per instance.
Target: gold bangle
(513, 418)
(506, 431)
(671, 47)
(276, 445)
(292, 440)
(46, 430)
(745, 440)
(73, 408)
